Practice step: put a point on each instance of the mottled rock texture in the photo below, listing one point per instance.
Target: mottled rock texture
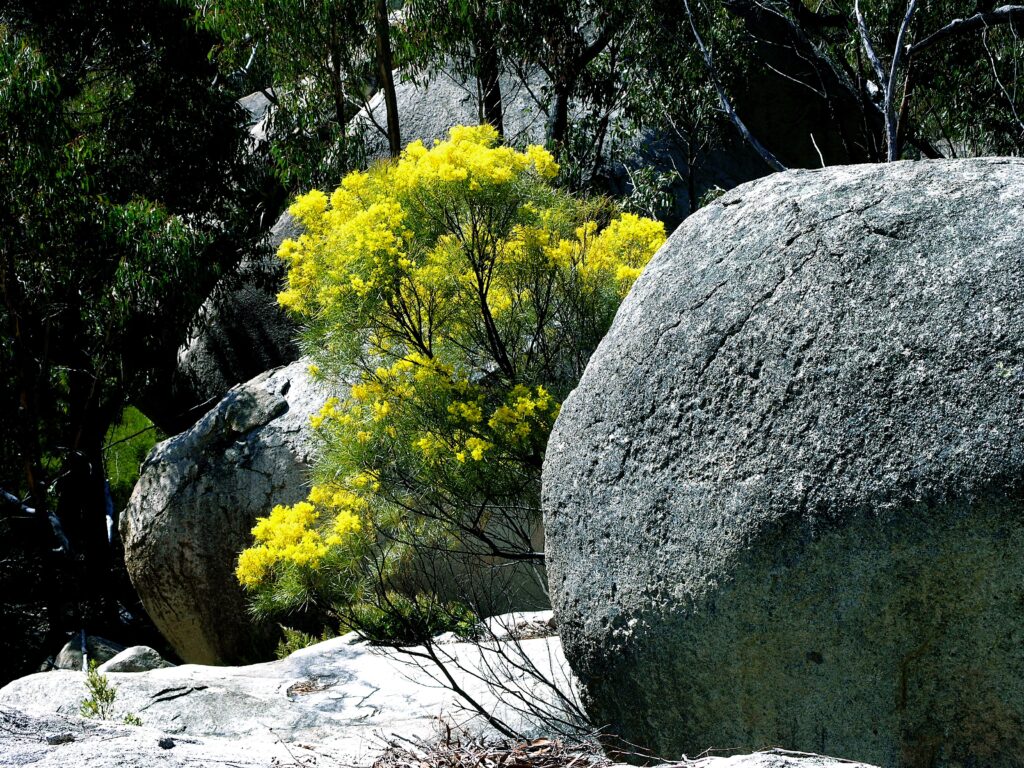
(196, 501)
(58, 741)
(785, 505)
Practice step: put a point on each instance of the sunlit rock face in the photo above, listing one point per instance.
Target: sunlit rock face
(784, 506)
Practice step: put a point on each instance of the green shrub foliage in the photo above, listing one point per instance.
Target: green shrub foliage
(452, 298)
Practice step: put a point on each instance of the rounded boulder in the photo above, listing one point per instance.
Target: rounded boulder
(199, 495)
(785, 504)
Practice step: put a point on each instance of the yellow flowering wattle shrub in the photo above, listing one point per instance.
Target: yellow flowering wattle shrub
(452, 298)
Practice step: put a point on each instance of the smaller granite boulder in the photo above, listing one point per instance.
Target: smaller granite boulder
(98, 649)
(196, 502)
(239, 332)
(138, 658)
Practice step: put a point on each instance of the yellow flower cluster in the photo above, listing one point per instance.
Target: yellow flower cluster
(525, 410)
(292, 534)
(356, 241)
(624, 247)
(287, 535)
(329, 410)
(470, 156)
(620, 251)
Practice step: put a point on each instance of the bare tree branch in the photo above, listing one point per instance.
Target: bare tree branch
(723, 98)
(1006, 14)
(891, 128)
(887, 83)
(865, 38)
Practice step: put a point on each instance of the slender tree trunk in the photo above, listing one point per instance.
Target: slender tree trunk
(560, 118)
(571, 69)
(338, 92)
(489, 76)
(382, 33)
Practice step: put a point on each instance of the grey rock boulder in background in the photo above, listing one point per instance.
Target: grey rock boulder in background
(785, 505)
(98, 649)
(239, 332)
(196, 501)
(428, 109)
(138, 658)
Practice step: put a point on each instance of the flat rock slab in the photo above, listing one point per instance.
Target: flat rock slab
(58, 741)
(342, 699)
(771, 758)
(775, 758)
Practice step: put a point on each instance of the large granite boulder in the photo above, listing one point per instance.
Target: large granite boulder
(785, 505)
(196, 501)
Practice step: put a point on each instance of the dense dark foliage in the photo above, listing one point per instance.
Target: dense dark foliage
(126, 190)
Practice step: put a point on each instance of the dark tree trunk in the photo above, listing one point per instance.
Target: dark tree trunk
(489, 77)
(338, 92)
(560, 118)
(382, 33)
(569, 69)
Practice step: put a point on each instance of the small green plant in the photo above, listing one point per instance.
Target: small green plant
(100, 702)
(295, 640)
(711, 195)
(652, 192)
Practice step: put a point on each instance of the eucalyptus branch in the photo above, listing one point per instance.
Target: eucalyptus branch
(723, 98)
(892, 135)
(1006, 14)
(888, 82)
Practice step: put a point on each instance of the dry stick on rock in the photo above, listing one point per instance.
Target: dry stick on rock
(723, 98)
